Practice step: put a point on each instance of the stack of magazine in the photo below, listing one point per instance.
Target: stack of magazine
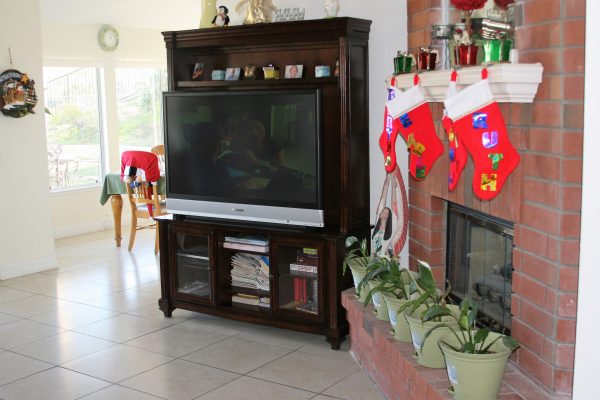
(259, 244)
(250, 271)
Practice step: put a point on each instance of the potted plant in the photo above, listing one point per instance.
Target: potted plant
(373, 276)
(475, 358)
(427, 296)
(357, 259)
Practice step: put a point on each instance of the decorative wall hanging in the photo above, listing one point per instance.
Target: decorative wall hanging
(17, 94)
(478, 122)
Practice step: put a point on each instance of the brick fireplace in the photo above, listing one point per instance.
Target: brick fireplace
(542, 197)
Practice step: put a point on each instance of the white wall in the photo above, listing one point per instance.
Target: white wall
(388, 35)
(26, 243)
(587, 351)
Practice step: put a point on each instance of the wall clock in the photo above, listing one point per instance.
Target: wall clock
(108, 38)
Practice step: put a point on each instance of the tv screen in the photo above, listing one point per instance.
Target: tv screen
(256, 148)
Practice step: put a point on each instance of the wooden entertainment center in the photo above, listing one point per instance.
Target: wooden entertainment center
(301, 267)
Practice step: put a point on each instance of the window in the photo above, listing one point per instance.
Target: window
(139, 107)
(73, 126)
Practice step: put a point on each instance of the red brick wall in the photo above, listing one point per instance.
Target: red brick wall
(542, 197)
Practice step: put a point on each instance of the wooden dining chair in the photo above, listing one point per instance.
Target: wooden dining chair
(143, 196)
(159, 150)
(145, 203)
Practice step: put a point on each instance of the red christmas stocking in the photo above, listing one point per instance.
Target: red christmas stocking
(480, 125)
(387, 140)
(413, 117)
(456, 149)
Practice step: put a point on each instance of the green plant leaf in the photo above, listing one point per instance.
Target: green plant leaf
(351, 240)
(463, 322)
(437, 312)
(430, 331)
(425, 280)
(468, 347)
(481, 335)
(510, 342)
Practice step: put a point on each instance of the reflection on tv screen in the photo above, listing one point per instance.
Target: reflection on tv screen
(244, 147)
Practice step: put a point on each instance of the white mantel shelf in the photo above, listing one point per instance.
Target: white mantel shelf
(510, 83)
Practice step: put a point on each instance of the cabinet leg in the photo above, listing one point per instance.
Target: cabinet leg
(165, 307)
(335, 342)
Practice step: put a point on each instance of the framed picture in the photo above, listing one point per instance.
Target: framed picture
(232, 74)
(293, 71)
(198, 72)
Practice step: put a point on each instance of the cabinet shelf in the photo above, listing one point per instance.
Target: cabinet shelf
(256, 82)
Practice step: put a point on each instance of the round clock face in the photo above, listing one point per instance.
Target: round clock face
(108, 37)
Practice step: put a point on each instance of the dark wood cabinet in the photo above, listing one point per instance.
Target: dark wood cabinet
(196, 265)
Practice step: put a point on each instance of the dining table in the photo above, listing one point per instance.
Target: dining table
(112, 188)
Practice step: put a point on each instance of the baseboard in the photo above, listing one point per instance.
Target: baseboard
(21, 268)
(89, 227)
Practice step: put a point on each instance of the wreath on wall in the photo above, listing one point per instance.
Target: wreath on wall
(17, 94)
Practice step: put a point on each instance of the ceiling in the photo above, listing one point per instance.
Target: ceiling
(151, 14)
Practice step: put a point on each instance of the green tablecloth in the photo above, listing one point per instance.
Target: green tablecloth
(114, 185)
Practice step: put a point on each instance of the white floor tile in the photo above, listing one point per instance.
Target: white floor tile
(357, 386)
(180, 380)
(122, 328)
(123, 301)
(176, 341)
(74, 316)
(64, 347)
(34, 305)
(306, 371)
(237, 355)
(116, 392)
(8, 294)
(53, 384)
(15, 366)
(24, 331)
(246, 388)
(117, 363)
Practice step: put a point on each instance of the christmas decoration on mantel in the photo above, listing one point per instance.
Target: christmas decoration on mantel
(477, 120)
(17, 93)
(412, 118)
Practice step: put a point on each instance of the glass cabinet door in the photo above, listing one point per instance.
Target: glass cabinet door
(194, 272)
(298, 280)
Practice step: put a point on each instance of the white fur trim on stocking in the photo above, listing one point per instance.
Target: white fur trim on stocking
(405, 101)
(469, 100)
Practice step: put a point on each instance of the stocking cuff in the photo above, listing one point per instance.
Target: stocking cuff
(469, 100)
(405, 101)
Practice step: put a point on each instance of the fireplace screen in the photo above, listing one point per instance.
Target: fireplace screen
(480, 263)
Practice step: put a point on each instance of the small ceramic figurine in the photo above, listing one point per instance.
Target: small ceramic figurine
(258, 11)
(221, 19)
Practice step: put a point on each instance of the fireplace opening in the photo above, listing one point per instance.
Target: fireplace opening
(479, 263)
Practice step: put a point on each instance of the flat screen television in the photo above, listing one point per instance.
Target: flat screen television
(251, 155)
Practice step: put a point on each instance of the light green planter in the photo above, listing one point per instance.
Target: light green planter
(381, 310)
(400, 327)
(358, 267)
(430, 354)
(475, 376)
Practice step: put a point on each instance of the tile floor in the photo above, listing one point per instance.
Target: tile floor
(91, 329)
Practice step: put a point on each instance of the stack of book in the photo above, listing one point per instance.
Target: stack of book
(249, 299)
(259, 244)
(250, 271)
(306, 284)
